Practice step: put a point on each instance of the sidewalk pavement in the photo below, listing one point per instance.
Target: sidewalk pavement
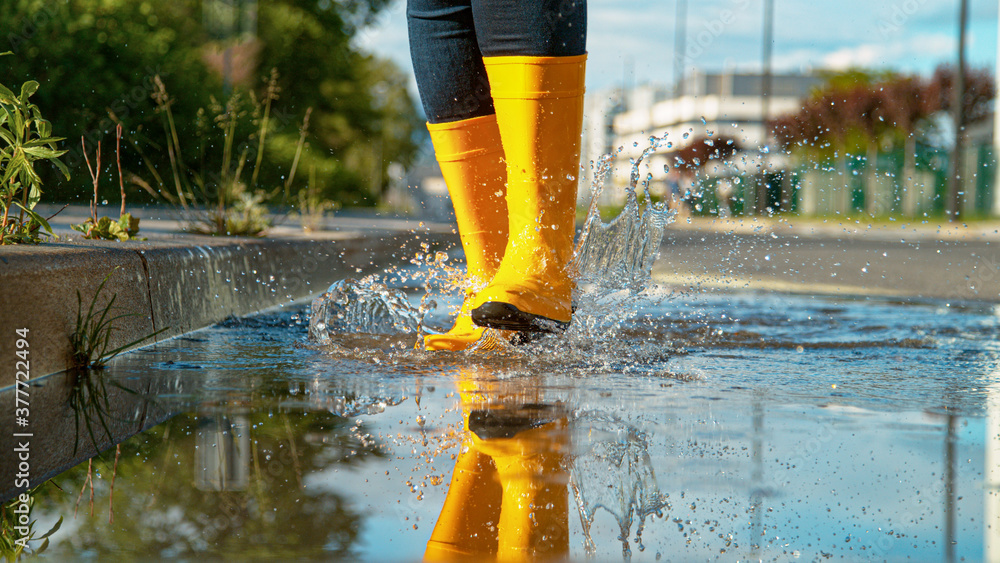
(882, 230)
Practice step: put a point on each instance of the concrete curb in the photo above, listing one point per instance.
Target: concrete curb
(172, 285)
(179, 285)
(74, 417)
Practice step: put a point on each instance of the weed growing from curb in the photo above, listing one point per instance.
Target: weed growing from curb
(91, 339)
(106, 228)
(91, 342)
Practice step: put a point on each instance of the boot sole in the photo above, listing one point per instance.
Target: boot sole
(505, 316)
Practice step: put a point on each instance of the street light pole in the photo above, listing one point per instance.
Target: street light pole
(955, 180)
(760, 203)
(996, 137)
(680, 47)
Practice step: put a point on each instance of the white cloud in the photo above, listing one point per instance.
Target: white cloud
(888, 54)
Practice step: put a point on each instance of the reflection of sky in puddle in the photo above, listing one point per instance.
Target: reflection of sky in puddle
(761, 427)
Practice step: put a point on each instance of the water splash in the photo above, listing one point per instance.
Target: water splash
(608, 257)
(380, 304)
(613, 472)
(366, 306)
(620, 254)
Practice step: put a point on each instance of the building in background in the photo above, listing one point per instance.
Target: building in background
(716, 147)
(600, 110)
(714, 112)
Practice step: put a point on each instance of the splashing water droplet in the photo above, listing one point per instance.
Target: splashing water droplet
(367, 306)
(620, 254)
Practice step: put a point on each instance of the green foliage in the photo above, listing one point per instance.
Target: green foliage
(91, 338)
(106, 228)
(311, 207)
(104, 56)
(25, 139)
(247, 216)
(219, 202)
(843, 80)
(13, 542)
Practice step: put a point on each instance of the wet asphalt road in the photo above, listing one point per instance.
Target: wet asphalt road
(881, 264)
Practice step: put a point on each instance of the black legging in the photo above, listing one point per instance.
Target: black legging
(449, 38)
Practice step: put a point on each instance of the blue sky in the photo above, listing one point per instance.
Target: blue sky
(906, 35)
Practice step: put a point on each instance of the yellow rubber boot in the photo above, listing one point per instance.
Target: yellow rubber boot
(508, 499)
(472, 163)
(534, 519)
(466, 530)
(539, 106)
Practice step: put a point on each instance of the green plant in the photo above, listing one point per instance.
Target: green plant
(312, 206)
(247, 216)
(91, 338)
(14, 542)
(25, 138)
(106, 228)
(90, 341)
(303, 131)
(222, 202)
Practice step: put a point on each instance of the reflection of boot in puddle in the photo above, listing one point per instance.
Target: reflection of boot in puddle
(508, 498)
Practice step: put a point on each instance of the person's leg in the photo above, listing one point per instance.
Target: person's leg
(535, 55)
(447, 62)
(454, 90)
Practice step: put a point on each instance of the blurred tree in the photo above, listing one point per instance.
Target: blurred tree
(855, 112)
(92, 56)
(99, 56)
(980, 92)
(973, 104)
(907, 107)
(363, 116)
(159, 512)
(703, 149)
(858, 110)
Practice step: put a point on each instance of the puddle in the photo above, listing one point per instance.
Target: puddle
(661, 426)
(715, 426)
